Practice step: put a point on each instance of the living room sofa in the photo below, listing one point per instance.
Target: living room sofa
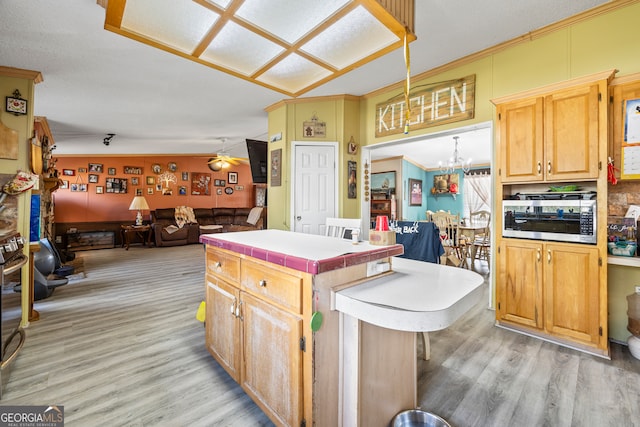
(167, 233)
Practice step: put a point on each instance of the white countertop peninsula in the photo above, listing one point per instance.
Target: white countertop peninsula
(366, 337)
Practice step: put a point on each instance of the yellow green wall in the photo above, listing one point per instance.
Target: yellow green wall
(342, 117)
(24, 126)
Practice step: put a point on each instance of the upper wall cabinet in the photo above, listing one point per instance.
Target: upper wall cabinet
(552, 137)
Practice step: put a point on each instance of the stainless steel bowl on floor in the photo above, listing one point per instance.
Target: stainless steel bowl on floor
(418, 418)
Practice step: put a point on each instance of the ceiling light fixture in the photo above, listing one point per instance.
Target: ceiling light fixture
(288, 46)
(455, 162)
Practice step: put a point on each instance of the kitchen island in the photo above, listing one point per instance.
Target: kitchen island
(274, 322)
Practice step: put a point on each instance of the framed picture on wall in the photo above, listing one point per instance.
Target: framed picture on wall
(117, 185)
(82, 170)
(185, 176)
(149, 190)
(200, 184)
(352, 186)
(111, 171)
(151, 180)
(135, 181)
(182, 190)
(415, 192)
(383, 182)
(68, 172)
(99, 189)
(93, 178)
(276, 166)
(65, 184)
(138, 191)
(232, 177)
(96, 168)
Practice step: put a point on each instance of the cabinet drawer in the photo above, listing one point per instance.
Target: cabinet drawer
(224, 265)
(274, 285)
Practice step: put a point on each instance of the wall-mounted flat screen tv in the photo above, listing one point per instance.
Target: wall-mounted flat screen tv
(257, 160)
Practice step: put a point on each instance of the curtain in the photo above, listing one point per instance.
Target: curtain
(477, 194)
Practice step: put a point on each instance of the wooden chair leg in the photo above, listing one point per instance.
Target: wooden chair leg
(426, 344)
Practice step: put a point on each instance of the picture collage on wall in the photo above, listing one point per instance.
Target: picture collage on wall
(81, 179)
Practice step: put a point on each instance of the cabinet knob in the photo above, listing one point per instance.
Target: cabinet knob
(263, 283)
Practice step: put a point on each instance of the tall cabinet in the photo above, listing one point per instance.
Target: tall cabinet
(552, 136)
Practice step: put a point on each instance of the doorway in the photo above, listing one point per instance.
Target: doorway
(426, 151)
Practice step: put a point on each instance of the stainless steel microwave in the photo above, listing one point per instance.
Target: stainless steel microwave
(558, 220)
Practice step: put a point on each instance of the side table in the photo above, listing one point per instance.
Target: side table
(142, 231)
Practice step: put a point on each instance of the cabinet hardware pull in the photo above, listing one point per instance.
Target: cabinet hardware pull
(233, 308)
(549, 167)
(539, 168)
(263, 283)
(217, 265)
(239, 311)
(538, 255)
(549, 256)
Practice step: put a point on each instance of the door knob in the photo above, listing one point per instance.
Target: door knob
(298, 218)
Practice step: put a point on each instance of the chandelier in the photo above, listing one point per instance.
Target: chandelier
(455, 162)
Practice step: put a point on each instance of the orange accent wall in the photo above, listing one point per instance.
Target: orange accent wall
(80, 206)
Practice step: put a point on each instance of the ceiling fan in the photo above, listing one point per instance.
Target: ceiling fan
(222, 159)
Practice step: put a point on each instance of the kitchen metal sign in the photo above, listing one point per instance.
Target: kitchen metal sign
(431, 105)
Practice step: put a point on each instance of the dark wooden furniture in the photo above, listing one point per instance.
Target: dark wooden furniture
(132, 231)
(85, 240)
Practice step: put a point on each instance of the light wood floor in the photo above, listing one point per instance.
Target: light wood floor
(122, 347)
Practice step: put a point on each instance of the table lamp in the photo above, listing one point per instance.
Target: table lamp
(139, 203)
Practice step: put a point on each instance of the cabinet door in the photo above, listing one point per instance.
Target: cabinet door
(272, 368)
(519, 287)
(222, 327)
(521, 140)
(571, 134)
(572, 292)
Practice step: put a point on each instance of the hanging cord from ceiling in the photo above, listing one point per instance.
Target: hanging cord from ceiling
(407, 86)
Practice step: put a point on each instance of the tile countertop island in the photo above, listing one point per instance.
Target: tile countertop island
(329, 322)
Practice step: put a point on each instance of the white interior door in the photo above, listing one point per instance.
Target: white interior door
(314, 186)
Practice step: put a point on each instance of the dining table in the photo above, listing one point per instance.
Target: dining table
(471, 231)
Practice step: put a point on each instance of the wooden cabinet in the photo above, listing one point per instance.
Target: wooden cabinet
(554, 137)
(519, 292)
(254, 319)
(552, 288)
(223, 341)
(272, 359)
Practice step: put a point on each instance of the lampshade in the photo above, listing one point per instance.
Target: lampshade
(288, 46)
(139, 203)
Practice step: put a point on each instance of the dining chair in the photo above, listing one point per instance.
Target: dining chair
(482, 239)
(341, 227)
(455, 250)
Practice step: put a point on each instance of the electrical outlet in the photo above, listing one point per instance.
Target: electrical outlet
(637, 289)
